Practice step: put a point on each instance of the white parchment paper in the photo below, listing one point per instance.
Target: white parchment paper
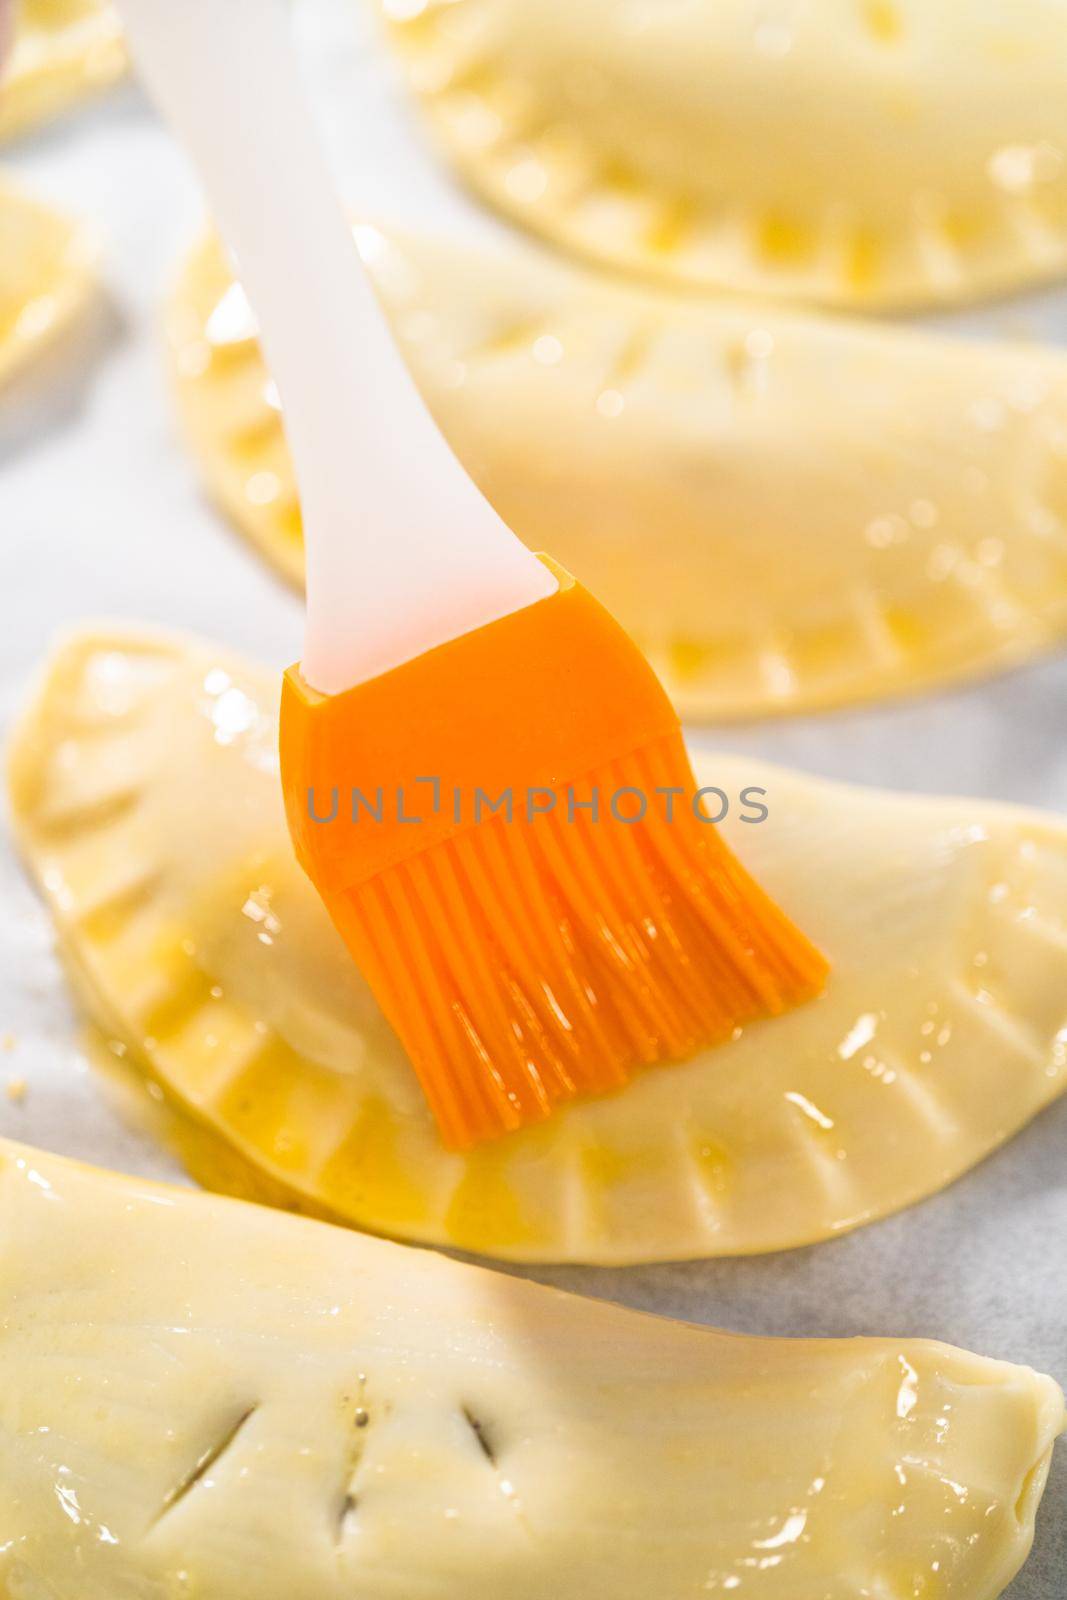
(101, 515)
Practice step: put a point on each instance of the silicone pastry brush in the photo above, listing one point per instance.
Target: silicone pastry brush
(467, 726)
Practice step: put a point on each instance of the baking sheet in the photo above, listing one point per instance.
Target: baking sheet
(101, 516)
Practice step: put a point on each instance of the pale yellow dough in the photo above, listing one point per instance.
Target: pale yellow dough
(851, 152)
(201, 1398)
(785, 511)
(47, 277)
(64, 51)
(146, 798)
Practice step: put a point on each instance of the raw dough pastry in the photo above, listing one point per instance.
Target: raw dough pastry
(64, 51)
(853, 152)
(786, 511)
(204, 1398)
(145, 795)
(47, 277)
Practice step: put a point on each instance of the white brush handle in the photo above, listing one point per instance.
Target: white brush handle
(403, 552)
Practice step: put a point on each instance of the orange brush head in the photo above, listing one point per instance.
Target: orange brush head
(503, 832)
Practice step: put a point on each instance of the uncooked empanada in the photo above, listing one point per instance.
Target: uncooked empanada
(47, 275)
(785, 511)
(207, 1399)
(64, 51)
(146, 797)
(853, 152)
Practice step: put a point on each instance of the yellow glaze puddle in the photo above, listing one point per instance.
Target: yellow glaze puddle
(145, 795)
(64, 51)
(144, 1106)
(786, 511)
(882, 153)
(207, 1399)
(47, 277)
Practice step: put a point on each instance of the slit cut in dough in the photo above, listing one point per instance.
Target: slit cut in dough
(207, 1398)
(785, 511)
(63, 51)
(47, 277)
(882, 153)
(146, 799)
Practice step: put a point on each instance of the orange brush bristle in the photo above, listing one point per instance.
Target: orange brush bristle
(589, 924)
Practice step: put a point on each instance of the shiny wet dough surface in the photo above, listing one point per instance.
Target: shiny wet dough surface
(390, 1422)
(145, 796)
